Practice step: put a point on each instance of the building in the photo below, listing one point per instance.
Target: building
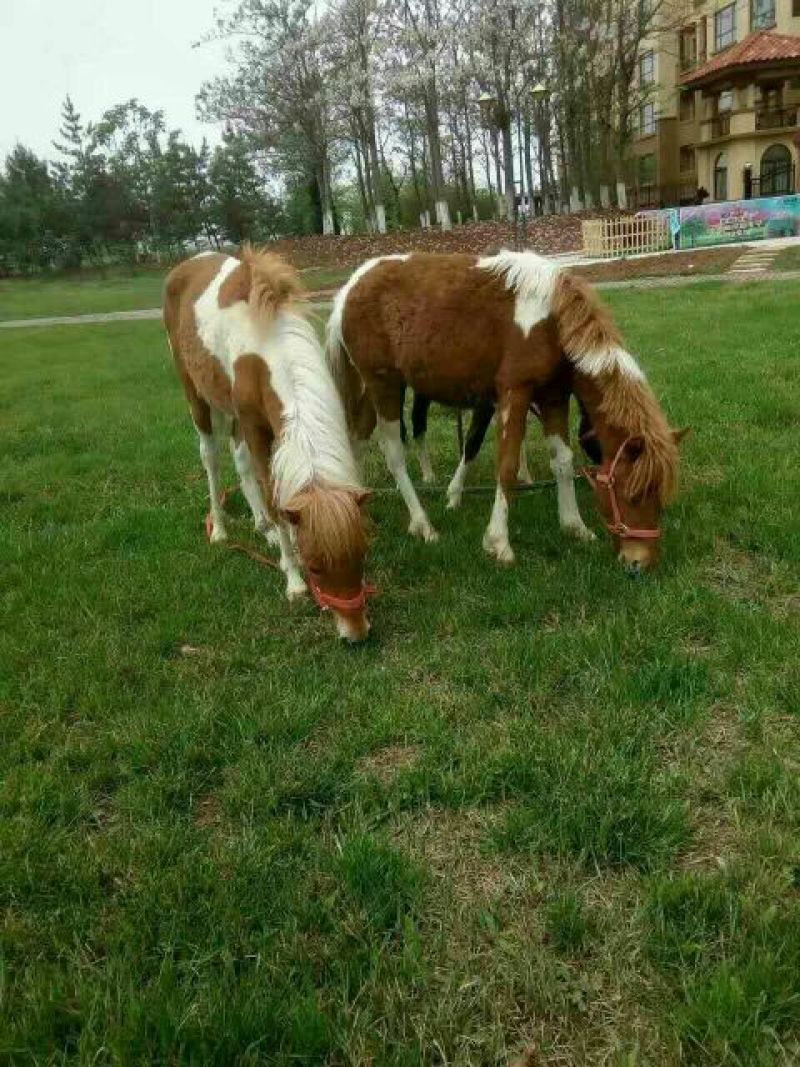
(718, 88)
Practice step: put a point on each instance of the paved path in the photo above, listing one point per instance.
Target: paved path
(322, 299)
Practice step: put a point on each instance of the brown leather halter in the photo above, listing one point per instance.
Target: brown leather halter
(598, 478)
(326, 601)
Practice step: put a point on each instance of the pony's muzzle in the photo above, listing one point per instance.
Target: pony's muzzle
(637, 556)
(352, 627)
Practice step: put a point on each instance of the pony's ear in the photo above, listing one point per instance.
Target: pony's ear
(679, 435)
(362, 496)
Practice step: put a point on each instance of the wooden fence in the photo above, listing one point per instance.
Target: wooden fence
(609, 238)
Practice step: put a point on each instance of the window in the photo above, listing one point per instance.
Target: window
(796, 9)
(687, 163)
(777, 178)
(725, 100)
(702, 39)
(725, 27)
(688, 49)
(647, 169)
(647, 120)
(721, 177)
(686, 106)
(762, 14)
(647, 68)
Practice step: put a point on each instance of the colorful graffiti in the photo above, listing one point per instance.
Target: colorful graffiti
(733, 220)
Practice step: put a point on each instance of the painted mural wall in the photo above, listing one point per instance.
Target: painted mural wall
(733, 220)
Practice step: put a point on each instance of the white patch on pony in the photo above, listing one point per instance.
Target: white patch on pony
(495, 540)
(533, 278)
(334, 339)
(313, 445)
(569, 517)
(607, 360)
(202, 255)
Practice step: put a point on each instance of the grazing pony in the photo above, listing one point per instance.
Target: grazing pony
(512, 329)
(249, 360)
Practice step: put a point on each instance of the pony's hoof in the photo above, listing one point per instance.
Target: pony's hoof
(453, 501)
(428, 477)
(422, 528)
(501, 551)
(218, 533)
(580, 533)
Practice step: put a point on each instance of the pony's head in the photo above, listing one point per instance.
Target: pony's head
(634, 482)
(331, 538)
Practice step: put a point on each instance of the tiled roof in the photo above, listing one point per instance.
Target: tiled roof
(757, 49)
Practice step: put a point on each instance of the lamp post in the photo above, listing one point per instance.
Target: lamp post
(539, 94)
(487, 102)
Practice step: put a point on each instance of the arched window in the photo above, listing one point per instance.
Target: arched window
(721, 177)
(777, 177)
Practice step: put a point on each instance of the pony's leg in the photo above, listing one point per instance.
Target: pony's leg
(524, 474)
(394, 454)
(419, 425)
(478, 425)
(513, 414)
(250, 487)
(209, 456)
(555, 423)
(258, 437)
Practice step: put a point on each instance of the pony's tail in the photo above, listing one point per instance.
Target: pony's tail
(268, 283)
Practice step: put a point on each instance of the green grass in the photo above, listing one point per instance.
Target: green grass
(546, 810)
(36, 298)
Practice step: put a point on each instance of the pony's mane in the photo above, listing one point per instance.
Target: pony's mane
(333, 522)
(313, 447)
(274, 283)
(594, 345)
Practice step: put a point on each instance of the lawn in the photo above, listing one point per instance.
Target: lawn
(547, 812)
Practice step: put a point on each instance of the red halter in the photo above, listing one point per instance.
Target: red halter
(327, 601)
(599, 477)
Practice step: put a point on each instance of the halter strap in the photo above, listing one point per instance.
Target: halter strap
(328, 601)
(607, 480)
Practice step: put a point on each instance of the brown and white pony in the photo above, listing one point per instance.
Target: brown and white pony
(514, 329)
(249, 361)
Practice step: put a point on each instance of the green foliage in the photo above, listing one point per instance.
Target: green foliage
(127, 189)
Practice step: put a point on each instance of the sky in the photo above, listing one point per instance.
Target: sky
(102, 52)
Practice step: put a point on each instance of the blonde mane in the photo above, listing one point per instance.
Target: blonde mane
(333, 522)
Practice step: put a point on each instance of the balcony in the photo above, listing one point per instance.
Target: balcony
(720, 126)
(776, 118)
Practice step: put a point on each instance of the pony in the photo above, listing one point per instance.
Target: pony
(251, 364)
(513, 329)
